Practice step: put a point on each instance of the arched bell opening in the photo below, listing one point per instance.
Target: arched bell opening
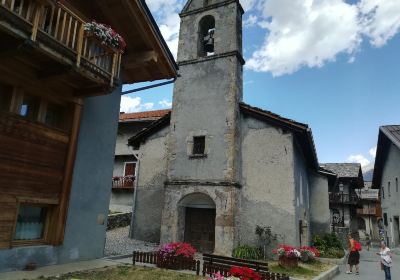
(206, 36)
(197, 212)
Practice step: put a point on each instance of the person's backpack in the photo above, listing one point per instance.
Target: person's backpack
(357, 246)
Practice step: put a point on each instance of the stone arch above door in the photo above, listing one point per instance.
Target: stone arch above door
(197, 200)
(180, 197)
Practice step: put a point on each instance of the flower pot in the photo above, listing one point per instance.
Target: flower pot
(288, 263)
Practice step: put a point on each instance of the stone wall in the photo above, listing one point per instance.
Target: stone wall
(302, 194)
(150, 190)
(267, 196)
(173, 219)
(118, 220)
(319, 204)
(391, 203)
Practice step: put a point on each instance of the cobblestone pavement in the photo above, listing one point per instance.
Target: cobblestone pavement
(370, 267)
(118, 243)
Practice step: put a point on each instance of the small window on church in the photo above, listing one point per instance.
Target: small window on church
(199, 145)
(206, 36)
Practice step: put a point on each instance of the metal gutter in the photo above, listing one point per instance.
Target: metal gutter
(149, 87)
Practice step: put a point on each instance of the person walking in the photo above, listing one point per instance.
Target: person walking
(386, 260)
(368, 242)
(354, 256)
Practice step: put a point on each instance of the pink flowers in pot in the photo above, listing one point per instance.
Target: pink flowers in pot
(106, 35)
(176, 249)
(287, 251)
(306, 253)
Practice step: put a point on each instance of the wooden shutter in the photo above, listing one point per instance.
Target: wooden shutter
(130, 169)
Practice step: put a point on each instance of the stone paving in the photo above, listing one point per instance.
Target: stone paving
(119, 243)
(370, 267)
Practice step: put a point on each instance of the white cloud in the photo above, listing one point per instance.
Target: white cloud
(310, 33)
(358, 159)
(166, 13)
(300, 33)
(247, 4)
(372, 152)
(250, 21)
(165, 103)
(304, 33)
(134, 104)
(380, 19)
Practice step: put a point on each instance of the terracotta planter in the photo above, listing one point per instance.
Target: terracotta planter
(288, 263)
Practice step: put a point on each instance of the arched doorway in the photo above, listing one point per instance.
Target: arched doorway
(199, 221)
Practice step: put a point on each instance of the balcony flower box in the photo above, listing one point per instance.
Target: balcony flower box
(105, 35)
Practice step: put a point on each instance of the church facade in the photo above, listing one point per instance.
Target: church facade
(214, 168)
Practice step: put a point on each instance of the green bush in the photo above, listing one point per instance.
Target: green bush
(247, 252)
(329, 246)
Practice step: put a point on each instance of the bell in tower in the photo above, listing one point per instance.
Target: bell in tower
(209, 42)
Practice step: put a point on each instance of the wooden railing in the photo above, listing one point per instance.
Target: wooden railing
(338, 197)
(211, 264)
(58, 22)
(370, 211)
(123, 182)
(168, 262)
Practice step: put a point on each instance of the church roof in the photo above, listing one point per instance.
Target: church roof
(388, 135)
(301, 130)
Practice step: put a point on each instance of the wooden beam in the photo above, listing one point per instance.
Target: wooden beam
(92, 91)
(61, 217)
(54, 71)
(136, 60)
(16, 49)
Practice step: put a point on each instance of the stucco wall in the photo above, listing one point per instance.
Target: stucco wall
(91, 186)
(125, 131)
(302, 194)
(150, 190)
(86, 220)
(319, 204)
(268, 196)
(204, 105)
(391, 204)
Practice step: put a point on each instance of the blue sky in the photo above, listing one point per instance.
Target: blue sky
(332, 64)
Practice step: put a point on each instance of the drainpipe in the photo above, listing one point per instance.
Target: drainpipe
(134, 195)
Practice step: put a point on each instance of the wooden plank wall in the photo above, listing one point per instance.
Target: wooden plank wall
(32, 165)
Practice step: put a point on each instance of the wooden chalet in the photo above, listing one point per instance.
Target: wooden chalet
(49, 66)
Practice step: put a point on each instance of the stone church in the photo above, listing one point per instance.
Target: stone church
(214, 168)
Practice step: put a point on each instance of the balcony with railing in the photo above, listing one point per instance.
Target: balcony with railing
(371, 211)
(345, 198)
(123, 182)
(60, 33)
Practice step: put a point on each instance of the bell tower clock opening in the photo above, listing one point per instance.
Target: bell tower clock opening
(206, 36)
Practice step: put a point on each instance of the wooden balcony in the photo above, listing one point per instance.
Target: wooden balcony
(123, 182)
(365, 211)
(372, 211)
(345, 198)
(57, 33)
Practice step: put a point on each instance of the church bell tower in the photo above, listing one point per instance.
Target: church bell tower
(204, 122)
(203, 144)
